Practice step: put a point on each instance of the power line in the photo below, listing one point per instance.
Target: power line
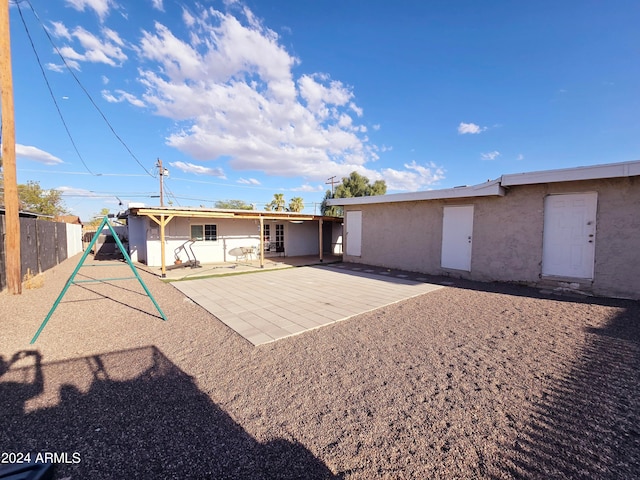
(46, 81)
(85, 173)
(64, 61)
(166, 186)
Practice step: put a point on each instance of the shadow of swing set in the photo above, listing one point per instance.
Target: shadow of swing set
(71, 281)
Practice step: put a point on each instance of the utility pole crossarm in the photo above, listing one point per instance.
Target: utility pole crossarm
(332, 181)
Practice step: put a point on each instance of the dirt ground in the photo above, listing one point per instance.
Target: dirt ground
(470, 381)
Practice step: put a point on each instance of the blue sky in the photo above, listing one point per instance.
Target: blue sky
(242, 100)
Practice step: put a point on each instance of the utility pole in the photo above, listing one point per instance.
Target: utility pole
(11, 203)
(163, 171)
(331, 181)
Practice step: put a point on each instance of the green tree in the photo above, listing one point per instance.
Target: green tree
(277, 204)
(233, 204)
(330, 211)
(33, 198)
(296, 204)
(355, 185)
(97, 218)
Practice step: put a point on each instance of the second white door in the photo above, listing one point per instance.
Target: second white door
(457, 236)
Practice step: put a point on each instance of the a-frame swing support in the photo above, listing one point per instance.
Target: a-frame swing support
(70, 281)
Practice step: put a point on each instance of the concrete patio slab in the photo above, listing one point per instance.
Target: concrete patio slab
(270, 305)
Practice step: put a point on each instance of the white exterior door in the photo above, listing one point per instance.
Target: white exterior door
(569, 243)
(457, 233)
(354, 233)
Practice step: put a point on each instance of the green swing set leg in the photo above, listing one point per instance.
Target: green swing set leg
(105, 221)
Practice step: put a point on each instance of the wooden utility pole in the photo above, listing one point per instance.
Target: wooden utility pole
(331, 181)
(161, 171)
(11, 203)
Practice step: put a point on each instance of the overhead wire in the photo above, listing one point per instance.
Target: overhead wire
(46, 81)
(171, 193)
(82, 87)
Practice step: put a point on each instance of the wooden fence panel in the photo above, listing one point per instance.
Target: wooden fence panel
(43, 245)
(61, 241)
(28, 246)
(47, 250)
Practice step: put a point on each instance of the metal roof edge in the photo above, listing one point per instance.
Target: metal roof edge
(593, 172)
(487, 189)
(496, 187)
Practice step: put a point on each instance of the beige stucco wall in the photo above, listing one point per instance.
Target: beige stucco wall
(507, 235)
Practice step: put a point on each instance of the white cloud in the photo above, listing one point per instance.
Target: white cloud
(77, 192)
(472, 128)
(122, 96)
(37, 155)
(415, 177)
(58, 68)
(249, 181)
(106, 48)
(101, 7)
(198, 169)
(490, 155)
(230, 87)
(60, 30)
(520, 157)
(308, 188)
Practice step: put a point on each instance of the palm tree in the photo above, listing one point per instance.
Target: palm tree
(296, 204)
(277, 203)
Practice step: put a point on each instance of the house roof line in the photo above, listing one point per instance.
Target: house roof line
(226, 213)
(594, 172)
(490, 188)
(498, 187)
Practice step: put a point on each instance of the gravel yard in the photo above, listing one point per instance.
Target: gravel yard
(470, 381)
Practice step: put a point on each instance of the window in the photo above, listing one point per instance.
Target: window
(208, 233)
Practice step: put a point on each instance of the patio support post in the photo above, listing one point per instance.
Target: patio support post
(162, 222)
(320, 238)
(261, 242)
(162, 247)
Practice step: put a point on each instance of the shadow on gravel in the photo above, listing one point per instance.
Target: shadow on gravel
(587, 424)
(133, 414)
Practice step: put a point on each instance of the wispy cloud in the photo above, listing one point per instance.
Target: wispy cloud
(472, 128)
(415, 177)
(249, 181)
(122, 96)
(198, 169)
(79, 192)
(105, 48)
(100, 7)
(490, 155)
(37, 155)
(308, 188)
(158, 5)
(520, 157)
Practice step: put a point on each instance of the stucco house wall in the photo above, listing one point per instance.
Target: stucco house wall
(230, 234)
(137, 229)
(508, 235)
(301, 237)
